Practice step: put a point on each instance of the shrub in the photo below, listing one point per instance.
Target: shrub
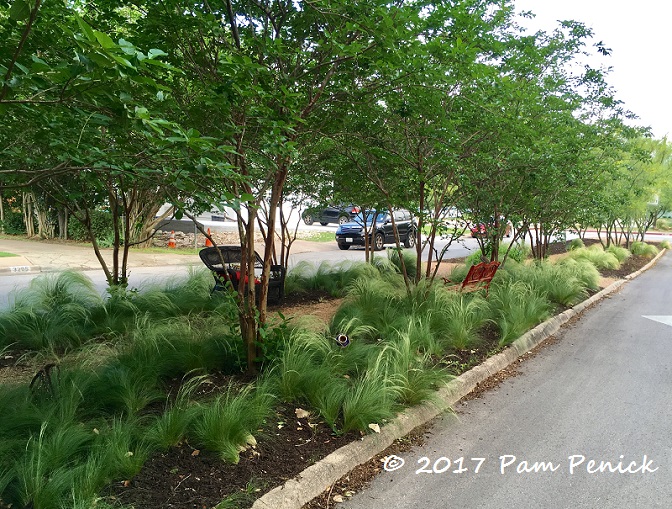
(665, 244)
(518, 253)
(643, 249)
(13, 223)
(409, 256)
(664, 224)
(101, 225)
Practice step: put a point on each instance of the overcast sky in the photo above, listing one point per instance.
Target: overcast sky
(638, 34)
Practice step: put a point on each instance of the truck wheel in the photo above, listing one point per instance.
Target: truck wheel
(308, 219)
(343, 247)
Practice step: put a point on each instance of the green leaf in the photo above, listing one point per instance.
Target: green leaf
(100, 60)
(123, 61)
(19, 10)
(23, 68)
(39, 64)
(142, 113)
(86, 29)
(104, 40)
(153, 53)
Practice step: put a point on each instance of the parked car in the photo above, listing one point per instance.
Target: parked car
(481, 229)
(332, 214)
(379, 227)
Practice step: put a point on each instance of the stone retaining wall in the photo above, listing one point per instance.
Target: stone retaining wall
(186, 240)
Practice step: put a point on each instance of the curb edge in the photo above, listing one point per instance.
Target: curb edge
(317, 478)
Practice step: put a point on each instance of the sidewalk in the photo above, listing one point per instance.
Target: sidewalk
(53, 255)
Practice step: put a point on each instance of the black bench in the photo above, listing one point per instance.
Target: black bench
(224, 262)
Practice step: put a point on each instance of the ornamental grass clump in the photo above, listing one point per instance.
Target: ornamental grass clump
(575, 244)
(171, 427)
(373, 397)
(459, 319)
(328, 277)
(409, 257)
(665, 244)
(376, 304)
(643, 249)
(413, 369)
(584, 271)
(53, 313)
(43, 477)
(557, 282)
(597, 256)
(225, 425)
(515, 307)
(619, 252)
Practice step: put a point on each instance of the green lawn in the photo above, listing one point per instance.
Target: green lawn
(6, 255)
(316, 236)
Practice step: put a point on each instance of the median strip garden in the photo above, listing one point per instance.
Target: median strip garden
(109, 391)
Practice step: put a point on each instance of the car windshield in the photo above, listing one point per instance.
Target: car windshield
(370, 214)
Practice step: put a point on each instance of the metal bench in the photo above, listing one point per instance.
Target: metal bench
(224, 262)
(479, 277)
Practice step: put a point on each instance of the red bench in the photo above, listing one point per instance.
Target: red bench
(479, 277)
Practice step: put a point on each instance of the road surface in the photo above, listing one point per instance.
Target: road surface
(141, 276)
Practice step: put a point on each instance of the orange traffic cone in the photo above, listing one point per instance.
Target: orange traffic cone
(208, 242)
(171, 240)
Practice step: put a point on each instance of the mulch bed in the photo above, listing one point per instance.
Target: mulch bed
(187, 478)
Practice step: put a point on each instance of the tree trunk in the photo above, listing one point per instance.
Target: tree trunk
(2, 213)
(246, 294)
(28, 214)
(62, 223)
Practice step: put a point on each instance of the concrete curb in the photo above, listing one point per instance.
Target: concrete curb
(17, 270)
(317, 478)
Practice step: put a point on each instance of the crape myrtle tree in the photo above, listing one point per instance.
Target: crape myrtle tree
(408, 138)
(656, 179)
(636, 193)
(255, 76)
(542, 129)
(78, 130)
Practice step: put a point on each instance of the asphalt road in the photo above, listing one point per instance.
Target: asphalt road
(602, 393)
(142, 276)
